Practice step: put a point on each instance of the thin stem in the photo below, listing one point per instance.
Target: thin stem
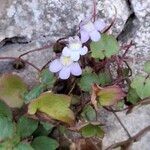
(45, 65)
(3, 58)
(39, 49)
(32, 65)
(121, 123)
(113, 21)
(94, 11)
(131, 140)
(16, 58)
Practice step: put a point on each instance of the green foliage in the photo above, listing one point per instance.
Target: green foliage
(10, 143)
(44, 129)
(105, 47)
(147, 67)
(89, 113)
(55, 106)
(87, 80)
(6, 128)
(23, 146)
(47, 78)
(110, 95)
(26, 126)
(104, 78)
(91, 130)
(44, 143)
(34, 93)
(47, 81)
(132, 96)
(5, 111)
(142, 86)
(12, 89)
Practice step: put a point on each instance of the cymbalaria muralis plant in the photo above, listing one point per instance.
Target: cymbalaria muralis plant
(87, 74)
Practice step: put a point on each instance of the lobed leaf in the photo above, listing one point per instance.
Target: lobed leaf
(6, 128)
(47, 78)
(5, 111)
(87, 80)
(34, 93)
(105, 47)
(44, 143)
(55, 106)
(91, 130)
(132, 96)
(23, 146)
(89, 113)
(26, 126)
(142, 86)
(12, 89)
(110, 95)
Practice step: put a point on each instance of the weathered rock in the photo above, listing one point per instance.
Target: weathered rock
(109, 9)
(138, 30)
(35, 19)
(134, 122)
(141, 9)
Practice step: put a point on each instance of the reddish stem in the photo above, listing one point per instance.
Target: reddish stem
(39, 49)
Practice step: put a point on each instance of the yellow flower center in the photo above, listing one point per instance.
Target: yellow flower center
(66, 61)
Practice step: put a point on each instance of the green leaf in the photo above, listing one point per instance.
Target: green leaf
(34, 93)
(142, 86)
(75, 99)
(120, 104)
(47, 126)
(44, 129)
(9, 143)
(89, 113)
(44, 143)
(104, 78)
(54, 105)
(23, 146)
(26, 126)
(6, 128)
(47, 78)
(5, 111)
(147, 67)
(91, 130)
(132, 96)
(110, 95)
(105, 47)
(87, 80)
(12, 89)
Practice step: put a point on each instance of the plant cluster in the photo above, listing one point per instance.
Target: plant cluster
(61, 112)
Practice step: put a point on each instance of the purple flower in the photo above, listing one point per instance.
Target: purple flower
(74, 49)
(90, 30)
(65, 66)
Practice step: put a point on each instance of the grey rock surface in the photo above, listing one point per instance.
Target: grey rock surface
(37, 19)
(134, 122)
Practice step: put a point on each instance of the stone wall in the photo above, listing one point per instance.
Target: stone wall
(30, 24)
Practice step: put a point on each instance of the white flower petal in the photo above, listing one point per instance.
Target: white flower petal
(55, 66)
(76, 69)
(95, 36)
(84, 36)
(100, 24)
(77, 38)
(75, 55)
(66, 52)
(84, 50)
(64, 73)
